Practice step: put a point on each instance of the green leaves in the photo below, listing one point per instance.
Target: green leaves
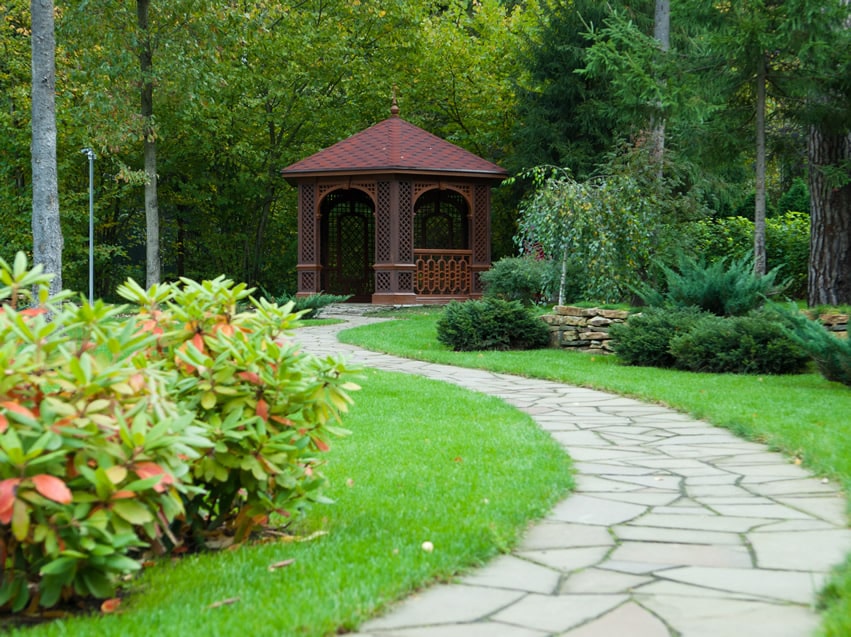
(113, 427)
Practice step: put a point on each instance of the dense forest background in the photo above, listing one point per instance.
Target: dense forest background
(227, 93)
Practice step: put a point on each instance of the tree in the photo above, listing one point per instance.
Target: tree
(47, 232)
(565, 118)
(662, 33)
(152, 210)
(829, 156)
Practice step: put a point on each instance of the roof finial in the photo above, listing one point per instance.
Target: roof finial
(394, 107)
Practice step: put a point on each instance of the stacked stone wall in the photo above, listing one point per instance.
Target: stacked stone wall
(582, 328)
(587, 329)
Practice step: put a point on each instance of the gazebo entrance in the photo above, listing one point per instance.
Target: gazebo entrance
(393, 215)
(347, 244)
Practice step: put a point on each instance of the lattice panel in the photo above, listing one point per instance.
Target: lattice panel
(307, 282)
(478, 285)
(324, 189)
(308, 224)
(383, 239)
(481, 227)
(420, 188)
(465, 189)
(406, 281)
(406, 227)
(382, 281)
(369, 187)
(443, 274)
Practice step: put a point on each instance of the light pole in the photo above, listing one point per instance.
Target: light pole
(91, 155)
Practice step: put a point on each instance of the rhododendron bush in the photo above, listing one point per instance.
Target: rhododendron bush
(148, 427)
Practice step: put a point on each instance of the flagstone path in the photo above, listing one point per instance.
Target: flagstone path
(676, 528)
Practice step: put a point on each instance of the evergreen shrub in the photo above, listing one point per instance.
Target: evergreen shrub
(527, 279)
(309, 307)
(754, 344)
(645, 338)
(724, 288)
(490, 324)
(831, 354)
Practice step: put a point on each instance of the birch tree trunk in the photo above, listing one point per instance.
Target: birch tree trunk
(759, 257)
(662, 33)
(47, 231)
(152, 213)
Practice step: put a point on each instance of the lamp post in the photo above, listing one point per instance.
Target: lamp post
(91, 155)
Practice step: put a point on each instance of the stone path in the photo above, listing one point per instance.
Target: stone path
(676, 529)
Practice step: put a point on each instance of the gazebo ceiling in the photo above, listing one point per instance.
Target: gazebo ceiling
(394, 146)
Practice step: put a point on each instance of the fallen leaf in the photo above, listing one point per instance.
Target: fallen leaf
(224, 602)
(281, 564)
(110, 605)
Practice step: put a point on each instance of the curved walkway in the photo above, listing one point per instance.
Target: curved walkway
(676, 529)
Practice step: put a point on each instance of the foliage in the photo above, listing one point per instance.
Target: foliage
(94, 450)
(718, 288)
(269, 408)
(309, 307)
(527, 279)
(490, 324)
(787, 242)
(118, 432)
(645, 338)
(562, 117)
(611, 226)
(754, 344)
(796, 198)
(831, 354)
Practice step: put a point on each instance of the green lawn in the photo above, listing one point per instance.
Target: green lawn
(803, 415)
(467, 478)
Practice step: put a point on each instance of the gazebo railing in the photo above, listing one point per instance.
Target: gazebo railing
(442, 272)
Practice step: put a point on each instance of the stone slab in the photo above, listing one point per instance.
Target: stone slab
(628, 619)
(558, 614)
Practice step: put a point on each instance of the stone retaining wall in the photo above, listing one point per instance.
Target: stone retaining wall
(837, 323)
(587, 329)
(582, 328)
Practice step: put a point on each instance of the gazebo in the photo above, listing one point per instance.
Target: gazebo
(393, 215)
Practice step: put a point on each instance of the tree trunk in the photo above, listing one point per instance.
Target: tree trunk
(662, 33)
(152, 212)
(829, 274)
(759, 205)
(47, 231)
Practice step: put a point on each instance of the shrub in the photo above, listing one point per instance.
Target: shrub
(527, 279)
(787, 243)
(269, 408)
(753, 344)
(490, 324)
(93, 448)
(119, 433)
(310, 307)
(645, 338)
(831, 354)
(718, 288)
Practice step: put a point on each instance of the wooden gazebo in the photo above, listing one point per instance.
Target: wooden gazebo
(393, 215)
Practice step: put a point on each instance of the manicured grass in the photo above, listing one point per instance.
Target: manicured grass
(427, 461)
(803, 416)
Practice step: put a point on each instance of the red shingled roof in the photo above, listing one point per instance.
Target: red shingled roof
(394, 145)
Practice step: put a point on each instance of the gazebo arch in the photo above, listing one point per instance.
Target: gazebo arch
(409, 177)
